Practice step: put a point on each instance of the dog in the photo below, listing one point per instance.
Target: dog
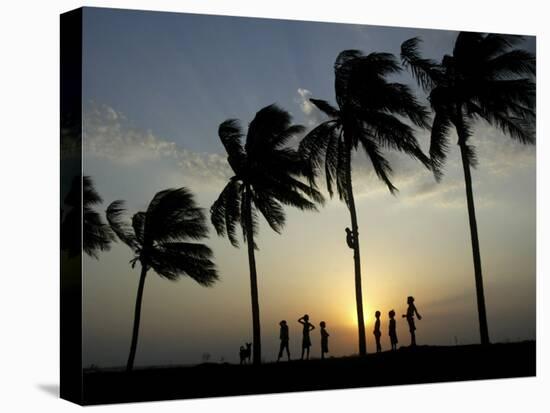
(245, 353)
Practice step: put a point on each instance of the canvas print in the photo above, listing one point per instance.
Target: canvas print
(260, 206)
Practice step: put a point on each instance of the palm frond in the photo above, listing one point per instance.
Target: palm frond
(225, 212)
(399, 99)
(380, 164)
(471, 155)
(517, 128)
(332, 155)
(96, 234)
(271, 174)
(138, 224)
(269, 123)
(271, 210)
(289, 196)
(314, 145)
(425, 71)
(512, 64)
(326, 108)
(293, 131)
(341, 169)
(173, 260)
(89, 193)
(174, 215)
(244, 220)
(123, 230)
(496, 43)
(231, 135)
(439, 143)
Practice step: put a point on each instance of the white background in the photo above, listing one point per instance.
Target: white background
(29, 211)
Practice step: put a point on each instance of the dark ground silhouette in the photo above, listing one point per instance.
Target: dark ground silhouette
(422, 364)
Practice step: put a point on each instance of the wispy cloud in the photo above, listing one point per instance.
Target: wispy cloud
(312, 115)
(108, 134)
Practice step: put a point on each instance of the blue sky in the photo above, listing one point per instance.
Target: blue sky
(158, 67)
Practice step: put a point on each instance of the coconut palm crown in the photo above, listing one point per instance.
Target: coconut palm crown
(96, 234)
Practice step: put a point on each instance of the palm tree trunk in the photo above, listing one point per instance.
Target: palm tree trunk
(483, 328)
(356, 255)
(256, 336)
(137, 316)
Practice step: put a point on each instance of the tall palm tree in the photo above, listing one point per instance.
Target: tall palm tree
(96, 234)
(160, 239)
(267, 176)
(371, 113)
(485, 78)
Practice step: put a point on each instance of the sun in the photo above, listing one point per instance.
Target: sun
(352, 315)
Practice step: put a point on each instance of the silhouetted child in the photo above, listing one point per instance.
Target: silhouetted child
(411, 311)
(284, 340)
(392, 330)
(377, 332)
(324, 339)
(306, 341)
(350, 238)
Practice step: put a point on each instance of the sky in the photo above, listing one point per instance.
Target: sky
(156, 86)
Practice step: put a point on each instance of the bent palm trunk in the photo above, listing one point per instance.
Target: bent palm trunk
(356, 256)
(483, 328)
(256, 337)
(137, 316)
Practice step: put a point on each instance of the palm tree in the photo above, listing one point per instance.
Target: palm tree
(485, 78)
(267, 176)
(371, 113)
(96, 234)
(160, 239)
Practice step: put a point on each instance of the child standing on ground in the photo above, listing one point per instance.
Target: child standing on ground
(306, 340)
(377, 333)
(392, 330)
(324, 339)
(284, 340)
(411, 311)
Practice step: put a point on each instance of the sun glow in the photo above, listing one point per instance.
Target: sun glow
(352, 315)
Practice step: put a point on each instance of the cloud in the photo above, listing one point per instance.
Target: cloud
(109, 135)
(312, 115)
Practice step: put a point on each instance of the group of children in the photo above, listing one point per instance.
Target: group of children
(306, 339)
(392, 330)
(308, 327)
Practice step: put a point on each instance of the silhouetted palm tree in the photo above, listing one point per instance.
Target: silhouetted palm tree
(160, 238)
(371, 112)
(267, 176)
(96, 234)
(485, 78)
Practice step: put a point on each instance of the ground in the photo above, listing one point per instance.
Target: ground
(423, 364)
